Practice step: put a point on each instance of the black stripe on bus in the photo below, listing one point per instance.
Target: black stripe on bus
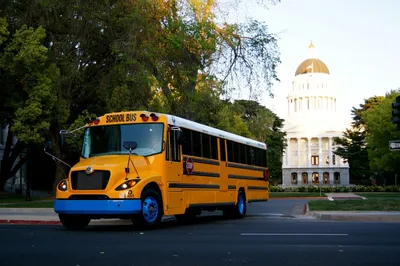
(183, 185)
(257, 200)
(247, 167)
(232, 187)
(201, 160)
(198, 173)
(257, 188)
(245, 177)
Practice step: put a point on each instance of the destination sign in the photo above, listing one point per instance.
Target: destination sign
(120, 118)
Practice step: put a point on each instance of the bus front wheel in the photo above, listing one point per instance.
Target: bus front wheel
(151, 214)
(74, 222)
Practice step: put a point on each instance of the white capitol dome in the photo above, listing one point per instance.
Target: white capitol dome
(312, 123)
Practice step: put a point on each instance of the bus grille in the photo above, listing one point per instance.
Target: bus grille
(95, 181)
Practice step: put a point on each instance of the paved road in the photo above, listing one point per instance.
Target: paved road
(272, 207)
(255, 240)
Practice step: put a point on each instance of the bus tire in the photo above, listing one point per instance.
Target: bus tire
(152, 211)
(240, 208)
(74, 222)
(237, 211)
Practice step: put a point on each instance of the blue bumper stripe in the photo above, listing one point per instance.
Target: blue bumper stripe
(98, 207)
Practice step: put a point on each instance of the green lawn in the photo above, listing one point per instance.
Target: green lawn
(296, 194)
(373, 195)
(18, 198)
(355, 205)
(18, 201)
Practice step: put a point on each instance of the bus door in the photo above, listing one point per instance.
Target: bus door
(174, 167)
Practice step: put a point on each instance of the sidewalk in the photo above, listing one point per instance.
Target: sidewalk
(48, 216)
(359, 216)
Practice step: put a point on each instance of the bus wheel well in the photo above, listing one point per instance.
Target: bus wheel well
(244, 192)
(154, 186)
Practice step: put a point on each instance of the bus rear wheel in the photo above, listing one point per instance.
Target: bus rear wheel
(74, 222)
(152, 211)
(237, 211)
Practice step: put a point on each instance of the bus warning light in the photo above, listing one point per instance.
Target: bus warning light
(266, 175)
(144, 117)
(154, 117)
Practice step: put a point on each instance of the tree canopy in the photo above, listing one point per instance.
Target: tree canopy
(63, 61)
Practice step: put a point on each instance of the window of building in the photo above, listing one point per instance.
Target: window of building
(326, 177)
(315, 160)
(336, 176)
(315, 178)
(294, 178)
(305, 178)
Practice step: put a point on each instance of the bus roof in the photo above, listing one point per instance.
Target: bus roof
(185, 123)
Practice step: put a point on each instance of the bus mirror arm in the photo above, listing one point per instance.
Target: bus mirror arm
(130, 145)
(64, 132)
(48, 145)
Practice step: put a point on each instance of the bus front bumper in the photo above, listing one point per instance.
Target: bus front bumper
(97, 207)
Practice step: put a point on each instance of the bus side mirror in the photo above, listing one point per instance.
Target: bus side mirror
(130, 145)
(48, 145)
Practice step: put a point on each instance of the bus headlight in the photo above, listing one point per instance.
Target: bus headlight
(127, 184)
(62, 185)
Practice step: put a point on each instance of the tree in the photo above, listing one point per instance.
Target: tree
(352, 146)
(103, 56)
(380, 132)
(30, 85)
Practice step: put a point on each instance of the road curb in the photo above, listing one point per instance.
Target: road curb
(356, 218)
(300, 198)
(29, 222)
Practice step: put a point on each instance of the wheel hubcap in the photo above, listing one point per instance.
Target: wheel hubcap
(241, 204)
(150, 209)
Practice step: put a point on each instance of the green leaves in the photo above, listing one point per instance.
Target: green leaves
(380, 132)
(26, 55)
(35, 83)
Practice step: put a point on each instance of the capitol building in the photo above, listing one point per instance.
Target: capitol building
(311, 124)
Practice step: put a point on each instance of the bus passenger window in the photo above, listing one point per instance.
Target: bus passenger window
(222, 149)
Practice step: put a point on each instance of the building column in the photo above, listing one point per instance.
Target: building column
(288, 152)
(309, 151)
(299, 179)
(330, 152)
(310, 177)
(331, 178)
(320, 149)
(298, 151)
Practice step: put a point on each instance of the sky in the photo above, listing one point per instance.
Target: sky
(359, 41)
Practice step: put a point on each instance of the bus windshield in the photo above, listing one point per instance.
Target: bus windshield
(108, 140)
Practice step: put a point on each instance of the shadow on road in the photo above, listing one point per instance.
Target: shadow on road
(164, 225)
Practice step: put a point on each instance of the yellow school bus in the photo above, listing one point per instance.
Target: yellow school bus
(143, 165)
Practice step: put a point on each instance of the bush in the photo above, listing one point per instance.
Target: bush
(337, 189)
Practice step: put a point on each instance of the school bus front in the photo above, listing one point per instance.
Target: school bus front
(122, 153)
